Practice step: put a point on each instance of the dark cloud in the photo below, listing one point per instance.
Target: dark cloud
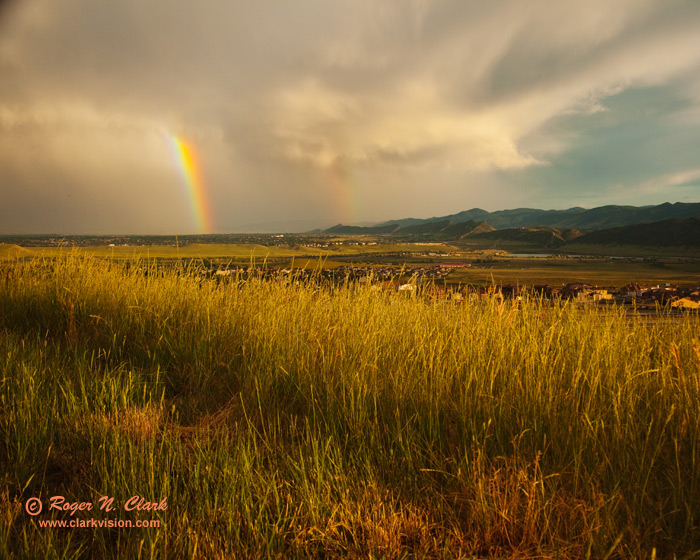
(5, 10)
(430, 106)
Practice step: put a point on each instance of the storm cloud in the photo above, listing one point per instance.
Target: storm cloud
(325, 112)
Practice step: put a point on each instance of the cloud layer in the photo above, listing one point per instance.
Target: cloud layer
(341, 111)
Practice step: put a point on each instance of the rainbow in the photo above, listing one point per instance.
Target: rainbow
(340, 176)
(188, 163)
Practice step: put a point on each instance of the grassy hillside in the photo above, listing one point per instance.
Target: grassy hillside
(535, 238)
(429, 227)
(12, 251)
(667, 233)
(668, 237)
(461, 230)
(283, 420)
(665, 238)
(445, 230)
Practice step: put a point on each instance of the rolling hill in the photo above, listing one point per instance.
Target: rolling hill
(443, 229)
(10, 251)
(535, 237)
(340, 229)
(666, 233)
(678, 237)
(579, 218)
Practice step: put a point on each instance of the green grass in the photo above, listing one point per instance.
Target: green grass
(286, 420)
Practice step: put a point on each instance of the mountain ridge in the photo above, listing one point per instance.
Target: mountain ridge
(586, 220)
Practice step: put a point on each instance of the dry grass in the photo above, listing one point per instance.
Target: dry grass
(286, 420)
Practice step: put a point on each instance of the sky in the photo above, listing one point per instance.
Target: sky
(167, 116)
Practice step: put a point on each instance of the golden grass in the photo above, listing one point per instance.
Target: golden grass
(291, 420)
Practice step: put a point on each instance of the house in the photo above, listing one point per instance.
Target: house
(576, 290)
(599, 294)
(586, 293)
(661, 294)
(685, 303)
(632, 290)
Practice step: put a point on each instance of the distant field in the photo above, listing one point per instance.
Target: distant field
(631, 250)
(583, 249)
(499, 270)
(314, 264)
(601, 272)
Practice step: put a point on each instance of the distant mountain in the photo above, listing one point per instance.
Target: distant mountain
(666, 233)
(444, 229)
(425, 227)
(340, 229)
(577, 217)
(475, 214)
(519, 217)
(546, 229)
(674, 236)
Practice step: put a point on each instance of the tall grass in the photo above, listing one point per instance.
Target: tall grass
(287, 420)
